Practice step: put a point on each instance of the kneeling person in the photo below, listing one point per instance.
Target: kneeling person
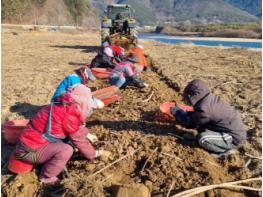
(219, 125)
(43, 140)
(125, 73)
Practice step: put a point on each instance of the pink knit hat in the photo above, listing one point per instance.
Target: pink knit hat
(81, 96)
(108, 51)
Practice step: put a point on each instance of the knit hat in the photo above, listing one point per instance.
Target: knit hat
(108, 51)
(81, 96)
(134, 58)
(139, 46)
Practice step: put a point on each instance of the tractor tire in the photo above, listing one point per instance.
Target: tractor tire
(105, 32)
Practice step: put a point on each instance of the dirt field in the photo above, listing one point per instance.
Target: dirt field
(33, 63)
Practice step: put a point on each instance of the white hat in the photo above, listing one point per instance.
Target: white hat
(108, 51)
(139, 46)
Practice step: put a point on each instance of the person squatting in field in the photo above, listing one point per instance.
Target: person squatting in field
(104, 58)
(126, 73)
(143, 64)
(82, 75)
(219, 125)
(52, 131)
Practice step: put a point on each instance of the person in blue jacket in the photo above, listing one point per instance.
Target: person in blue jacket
(82, 75)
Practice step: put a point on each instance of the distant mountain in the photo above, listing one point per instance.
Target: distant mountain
(251, 6)
(101, 4)
(195, 11)
(143, 14)
(204, 11)
(50, 12)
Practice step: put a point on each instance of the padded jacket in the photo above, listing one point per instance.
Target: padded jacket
(66, 121)
(102, 61)
(212, 113)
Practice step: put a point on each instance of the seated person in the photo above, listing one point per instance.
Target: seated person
(82, 76)
(43, 140)
(103, 59)
(219, 125)
(138, 49)
(125, 73)
(118, 53)
(119, 16)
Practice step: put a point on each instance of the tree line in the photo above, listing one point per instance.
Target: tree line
(17, 8)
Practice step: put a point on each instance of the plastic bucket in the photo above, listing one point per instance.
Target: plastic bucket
(18, 166)
(101, 73)
(105, 92)
(13, 129)
(110, 99)
(165, 109)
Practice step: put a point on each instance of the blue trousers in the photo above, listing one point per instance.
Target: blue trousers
(117, 80)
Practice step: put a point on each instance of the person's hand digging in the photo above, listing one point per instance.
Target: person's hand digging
(92, 138)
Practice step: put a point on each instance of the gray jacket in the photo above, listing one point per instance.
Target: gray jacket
(212, 113)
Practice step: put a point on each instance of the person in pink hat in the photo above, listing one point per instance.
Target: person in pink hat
(104, 59)
(82, 75)
(43, 142)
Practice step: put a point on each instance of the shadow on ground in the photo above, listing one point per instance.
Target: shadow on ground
(25, 109)
(85, 49)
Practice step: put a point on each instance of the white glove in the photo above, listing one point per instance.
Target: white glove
(92, 138)
(146, 85)
(99, 104)
(103, 153)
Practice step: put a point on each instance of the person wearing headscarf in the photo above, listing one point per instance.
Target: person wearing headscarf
(104, 59)
(138, 49)
(43, 141)
(82, 75)
(125, 73)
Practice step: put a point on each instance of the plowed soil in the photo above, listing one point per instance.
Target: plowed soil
(33, 63)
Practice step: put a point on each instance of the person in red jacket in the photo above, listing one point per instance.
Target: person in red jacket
(42, 142)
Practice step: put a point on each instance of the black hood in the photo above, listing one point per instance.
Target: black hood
(195, 91)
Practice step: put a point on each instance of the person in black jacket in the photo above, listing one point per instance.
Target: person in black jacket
(103, 59)
(219, 125)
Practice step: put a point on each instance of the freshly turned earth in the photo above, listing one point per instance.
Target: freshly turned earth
(33, 63)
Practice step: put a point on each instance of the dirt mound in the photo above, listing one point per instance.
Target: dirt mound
(131, 190)
(162, 158)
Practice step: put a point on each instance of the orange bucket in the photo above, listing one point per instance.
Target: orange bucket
(110, 99)
(105, 92)
(13, 129)
(18, 166)
(165, 109)
(101, 73)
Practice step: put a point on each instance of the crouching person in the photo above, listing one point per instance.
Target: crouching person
(125, 73)
(42, 142)
(81, 76)
(219, 125)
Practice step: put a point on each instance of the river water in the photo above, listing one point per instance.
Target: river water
(251, 43)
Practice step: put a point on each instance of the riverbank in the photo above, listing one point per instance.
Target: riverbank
(227, 30)
(208, 38)
(212, 41)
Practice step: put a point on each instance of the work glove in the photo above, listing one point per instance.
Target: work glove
(180, 115)
(92, 138)
(98, 102)
(146, 85)
(103, 153)
(138, 82)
